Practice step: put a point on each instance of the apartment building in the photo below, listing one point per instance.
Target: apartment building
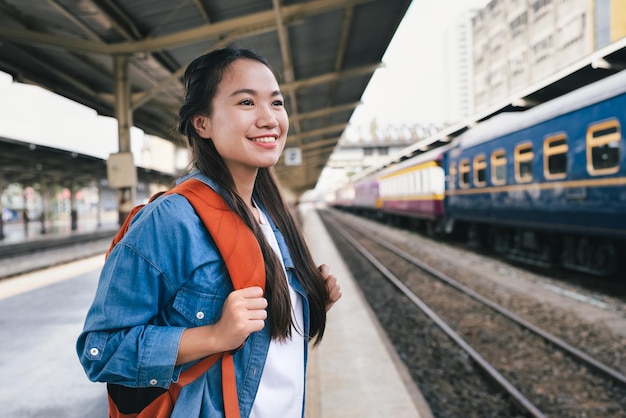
(517, 43)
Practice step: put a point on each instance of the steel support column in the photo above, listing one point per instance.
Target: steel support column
(124, 116)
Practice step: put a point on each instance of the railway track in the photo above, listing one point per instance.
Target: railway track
(535, 372)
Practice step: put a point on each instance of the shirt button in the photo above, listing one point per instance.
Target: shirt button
(94, 351)
(200, 315)
(153, 382)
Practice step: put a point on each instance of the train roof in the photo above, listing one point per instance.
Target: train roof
(506, 123)
(431, 155)
(427, 156)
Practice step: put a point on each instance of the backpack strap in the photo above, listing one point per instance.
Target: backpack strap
(129, 218)
(242, 255)
(234, 239)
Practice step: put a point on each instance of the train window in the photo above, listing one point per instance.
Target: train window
(437, 181)
(498, 167)
(452, 177)
(480, 171)
(419, 182)
(603, 147)
(464, 173)
(555, 157)
(524, 163)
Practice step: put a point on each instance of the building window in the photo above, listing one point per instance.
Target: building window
(498, 167)
(603, 147)
(519, 24)
(524, 163)
(555, 157)
(540, 4)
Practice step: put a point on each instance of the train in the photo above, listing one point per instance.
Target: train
(545, 185)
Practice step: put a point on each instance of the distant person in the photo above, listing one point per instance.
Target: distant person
(25, 219)
(144, 325)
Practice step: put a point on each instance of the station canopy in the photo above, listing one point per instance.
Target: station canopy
(28, 164)
(324, 51)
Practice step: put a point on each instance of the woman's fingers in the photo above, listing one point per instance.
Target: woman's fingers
(334, 290)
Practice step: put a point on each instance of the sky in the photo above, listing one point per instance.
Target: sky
(407, 90)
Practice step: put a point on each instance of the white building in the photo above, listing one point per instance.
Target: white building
(458, 67)
(518, 43)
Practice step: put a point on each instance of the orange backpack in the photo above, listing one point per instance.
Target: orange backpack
(235, 242)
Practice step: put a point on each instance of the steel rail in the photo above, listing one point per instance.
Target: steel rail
(515, 394)
(569, 349)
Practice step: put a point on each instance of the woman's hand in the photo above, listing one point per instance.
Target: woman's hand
(334, 290)
(243, 313)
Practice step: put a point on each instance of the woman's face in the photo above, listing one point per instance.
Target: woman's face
(248, 123)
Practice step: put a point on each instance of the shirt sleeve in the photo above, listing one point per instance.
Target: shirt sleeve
(122, 341)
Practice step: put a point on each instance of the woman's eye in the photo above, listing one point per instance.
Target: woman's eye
(246, 102)
(278, 103)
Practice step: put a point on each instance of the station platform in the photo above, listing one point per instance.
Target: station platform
(354, 372)
(27, 248)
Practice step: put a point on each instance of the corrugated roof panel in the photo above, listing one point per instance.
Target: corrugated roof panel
(313, 98)
(314, 43)
(75, 16)
(231, 9)
(347, 91)
(156, 18)
(369, 32)
(36, 13)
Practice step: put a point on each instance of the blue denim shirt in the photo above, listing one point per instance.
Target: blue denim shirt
(166, 275)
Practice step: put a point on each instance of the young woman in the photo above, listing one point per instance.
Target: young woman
(165, 300)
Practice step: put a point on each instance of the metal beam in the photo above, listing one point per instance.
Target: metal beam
(189, 36)
(285, 52)
(321, 144)
(329, 111)
(319, 132)
(334, 76)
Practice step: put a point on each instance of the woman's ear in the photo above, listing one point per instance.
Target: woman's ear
(202, 125)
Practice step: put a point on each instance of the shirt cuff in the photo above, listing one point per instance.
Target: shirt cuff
(158, 359)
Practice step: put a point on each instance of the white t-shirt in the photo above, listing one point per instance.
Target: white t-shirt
(281, 389)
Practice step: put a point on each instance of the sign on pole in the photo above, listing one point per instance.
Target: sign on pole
(293, 156)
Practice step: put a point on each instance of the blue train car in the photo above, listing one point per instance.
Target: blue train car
(548, 184)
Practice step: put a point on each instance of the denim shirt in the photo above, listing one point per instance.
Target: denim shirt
(166, 275)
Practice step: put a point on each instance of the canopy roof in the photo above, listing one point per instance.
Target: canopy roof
(324, 50)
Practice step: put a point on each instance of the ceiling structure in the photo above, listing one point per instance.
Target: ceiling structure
(324, 51)
(29, 164)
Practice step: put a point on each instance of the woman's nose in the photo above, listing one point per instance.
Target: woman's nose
(266, 118)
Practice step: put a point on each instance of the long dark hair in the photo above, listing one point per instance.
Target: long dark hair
(201, 79)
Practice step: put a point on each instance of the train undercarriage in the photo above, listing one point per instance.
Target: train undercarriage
(601, 257)
(590, 255)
